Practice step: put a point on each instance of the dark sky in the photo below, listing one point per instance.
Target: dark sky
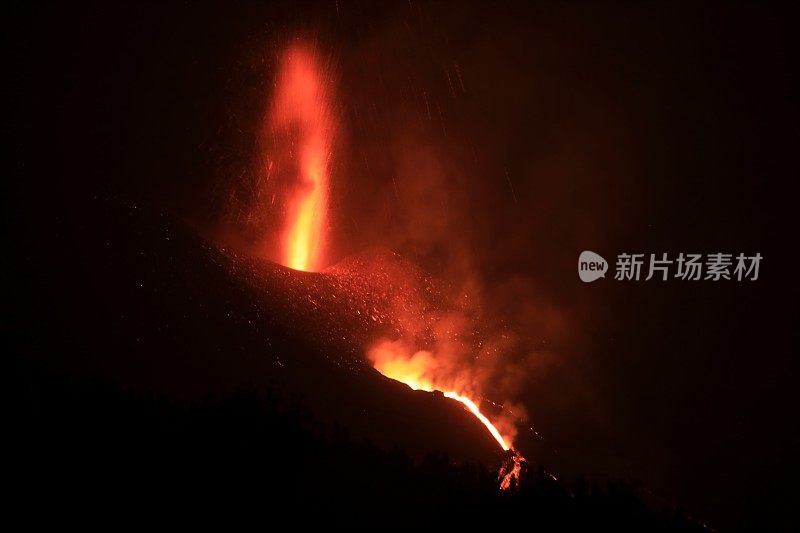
(522, 134)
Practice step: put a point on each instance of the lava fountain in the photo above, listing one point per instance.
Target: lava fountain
(301, 111)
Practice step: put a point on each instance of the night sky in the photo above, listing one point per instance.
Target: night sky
(488, 144)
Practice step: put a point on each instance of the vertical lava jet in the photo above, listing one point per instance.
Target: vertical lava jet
(301, 119)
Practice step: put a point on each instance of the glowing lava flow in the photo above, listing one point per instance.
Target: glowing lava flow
(416, 371)
(469, 404)
(301, 107)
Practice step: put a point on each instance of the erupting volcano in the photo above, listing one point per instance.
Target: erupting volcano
(406, 310)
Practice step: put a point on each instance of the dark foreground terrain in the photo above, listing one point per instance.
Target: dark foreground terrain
(144, 375)
(87, 445)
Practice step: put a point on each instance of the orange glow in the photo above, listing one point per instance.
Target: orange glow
(301, 108)
(419, 372)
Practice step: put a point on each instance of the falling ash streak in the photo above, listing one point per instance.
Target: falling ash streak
(511, 186)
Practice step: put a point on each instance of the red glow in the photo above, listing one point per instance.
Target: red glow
(301, 106)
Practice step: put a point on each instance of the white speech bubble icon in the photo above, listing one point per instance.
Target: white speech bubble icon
(591, 266)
